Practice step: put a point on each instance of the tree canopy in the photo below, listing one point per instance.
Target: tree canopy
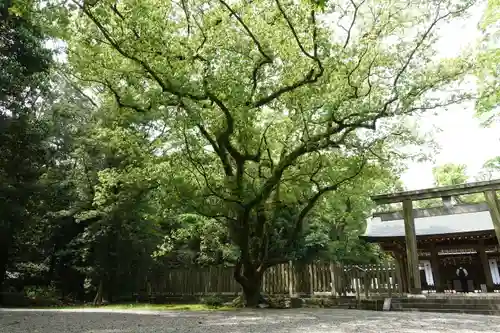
(487, 69)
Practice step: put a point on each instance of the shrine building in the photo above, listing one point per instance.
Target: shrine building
(430, 244)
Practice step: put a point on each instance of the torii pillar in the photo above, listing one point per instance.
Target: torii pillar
(414, 283)
(492, 201)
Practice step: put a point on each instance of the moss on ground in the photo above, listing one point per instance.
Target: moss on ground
(158, 307)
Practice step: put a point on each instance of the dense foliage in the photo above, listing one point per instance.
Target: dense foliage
(242, 133)
(487, 69)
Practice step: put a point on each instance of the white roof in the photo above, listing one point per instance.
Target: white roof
(432, 225)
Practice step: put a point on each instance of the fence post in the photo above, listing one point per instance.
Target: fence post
(290, 278)
(341, 278)
(264, 281)
(367, 277)
(333, 280)
(357, 283)
(387, 267)
(311, 288)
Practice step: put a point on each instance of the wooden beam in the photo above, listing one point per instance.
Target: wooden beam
(437, 192)
(411, 248)
(492, 201)
(438, 247)
(434, 211)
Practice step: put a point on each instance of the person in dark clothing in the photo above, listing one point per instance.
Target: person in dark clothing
(462, 276)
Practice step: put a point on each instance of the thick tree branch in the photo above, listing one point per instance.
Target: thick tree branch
(310, 77)
(255, 74)
(201, 170)
(311, 202)
(222, 156)
(122, 104)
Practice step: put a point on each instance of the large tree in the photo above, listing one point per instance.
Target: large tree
(449, 174)
(24, 64)
(269, 104)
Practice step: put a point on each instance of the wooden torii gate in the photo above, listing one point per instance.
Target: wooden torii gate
(488, 188)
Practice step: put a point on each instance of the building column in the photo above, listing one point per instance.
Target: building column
(481, 250)
(492, 201)
(435, 263)
(411, 248)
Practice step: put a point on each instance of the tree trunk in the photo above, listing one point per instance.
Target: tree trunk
(250, 280)
(99, 294)
(251, 293)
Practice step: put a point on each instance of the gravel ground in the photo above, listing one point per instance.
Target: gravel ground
(268, 321)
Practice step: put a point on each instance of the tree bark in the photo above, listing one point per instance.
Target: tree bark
(250, 279)
(251, 293)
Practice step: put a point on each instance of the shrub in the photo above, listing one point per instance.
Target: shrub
(40, 292)
(213, 301)
(41, 296)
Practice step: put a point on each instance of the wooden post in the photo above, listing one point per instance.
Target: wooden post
(435, 270)
(400, 273)
(481, 249)
(357, 284)
(365, 276)
(411, 248)
(492, 200)
(311, 286)
(333, 279)
(380, 278)
(388, 270)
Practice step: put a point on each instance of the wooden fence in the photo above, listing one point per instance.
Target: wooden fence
(332, 279)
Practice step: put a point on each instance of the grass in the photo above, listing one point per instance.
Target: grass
(163, 307)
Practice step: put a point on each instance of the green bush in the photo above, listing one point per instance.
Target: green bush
(40, 292)
(41, 296)
(213, 301)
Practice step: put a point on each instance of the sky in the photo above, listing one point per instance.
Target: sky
(462, 139)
